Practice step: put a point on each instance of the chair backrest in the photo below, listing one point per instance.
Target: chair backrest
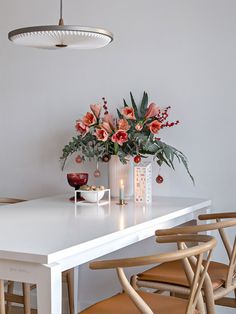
(204, 244)
(8, 200)
(218, 225)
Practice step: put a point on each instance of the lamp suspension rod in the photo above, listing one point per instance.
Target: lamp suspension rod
(61, 22)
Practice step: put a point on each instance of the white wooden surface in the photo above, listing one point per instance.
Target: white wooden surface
(41, 238)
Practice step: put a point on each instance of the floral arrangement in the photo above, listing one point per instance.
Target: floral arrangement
(133, 133)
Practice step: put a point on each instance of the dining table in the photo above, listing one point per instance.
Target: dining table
(41, 238)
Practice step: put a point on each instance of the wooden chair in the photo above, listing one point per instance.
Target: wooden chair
(221, 281)
(24, 299)
(131, 301)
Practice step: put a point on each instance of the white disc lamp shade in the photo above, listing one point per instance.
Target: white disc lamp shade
(61, 36)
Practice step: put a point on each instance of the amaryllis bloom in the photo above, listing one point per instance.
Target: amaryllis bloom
(154, 126)
(120, 137)
(106, 127)
(152, 111)
(81, 128)
(96, 109)
(101, 135)
(108, 118)
(123, 125)
(89, 119)
(128, 113)
(139, 126)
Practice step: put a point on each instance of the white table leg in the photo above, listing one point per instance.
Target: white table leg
(49, 290)
(76, 288)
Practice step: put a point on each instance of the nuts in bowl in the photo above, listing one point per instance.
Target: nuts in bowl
(92, 193)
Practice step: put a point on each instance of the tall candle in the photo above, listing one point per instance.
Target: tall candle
(122, 190)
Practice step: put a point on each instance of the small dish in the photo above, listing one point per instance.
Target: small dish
(92, 196)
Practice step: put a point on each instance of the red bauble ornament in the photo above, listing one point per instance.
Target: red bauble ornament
(159, 179)
(137, 159)
(78, 159)
(97, 173)
(106, 158)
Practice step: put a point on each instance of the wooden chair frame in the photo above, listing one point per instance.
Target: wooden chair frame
(211, 297)
(184, 253)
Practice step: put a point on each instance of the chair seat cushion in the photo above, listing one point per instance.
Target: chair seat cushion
(122, 304)
(173, 273)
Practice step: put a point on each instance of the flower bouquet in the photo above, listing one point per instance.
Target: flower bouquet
(133, 133)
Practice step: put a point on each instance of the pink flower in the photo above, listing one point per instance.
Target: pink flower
(152, 111)
(106, 127)
(108, 118)
(96, 109)
(101, 135)
(139, 126)
(123, 125)
(128, 113)
(154, 126)
(120, 137)
(89, 119)
(81, 128)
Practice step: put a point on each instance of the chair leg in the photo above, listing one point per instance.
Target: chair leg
(26, 295)
(10, 287)
(209, 299)
(70, 286)
(2, 297)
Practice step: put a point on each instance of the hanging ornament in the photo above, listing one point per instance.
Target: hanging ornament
(159, 179)
(97, 172)
(106, 158)
(137, 159)
(78, 159)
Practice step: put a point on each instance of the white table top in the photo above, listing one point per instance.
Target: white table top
(47, 229)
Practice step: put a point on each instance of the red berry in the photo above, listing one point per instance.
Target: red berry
(159, 179)
(78, 159)
(137, 159)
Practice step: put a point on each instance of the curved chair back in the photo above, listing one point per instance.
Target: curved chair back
(219, 225)
(204, 245)
(6, 200)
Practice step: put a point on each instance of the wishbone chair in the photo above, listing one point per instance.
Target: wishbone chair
(221, 281)
(24, 299)
(131, 301)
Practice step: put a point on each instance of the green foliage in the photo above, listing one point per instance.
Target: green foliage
(144, 104)
(134, 106)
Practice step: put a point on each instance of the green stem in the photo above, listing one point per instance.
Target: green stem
(116, 148)
(63, 163)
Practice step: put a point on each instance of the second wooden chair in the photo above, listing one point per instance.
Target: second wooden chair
(169, 276)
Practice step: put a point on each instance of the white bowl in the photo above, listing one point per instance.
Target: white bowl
(92, 196)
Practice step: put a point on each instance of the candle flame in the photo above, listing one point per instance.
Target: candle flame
(121, 182)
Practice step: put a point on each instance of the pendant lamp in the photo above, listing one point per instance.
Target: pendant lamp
(61, 36)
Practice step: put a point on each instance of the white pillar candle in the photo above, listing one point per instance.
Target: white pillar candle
(122, 190)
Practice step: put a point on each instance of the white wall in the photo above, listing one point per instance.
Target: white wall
(182, 52)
